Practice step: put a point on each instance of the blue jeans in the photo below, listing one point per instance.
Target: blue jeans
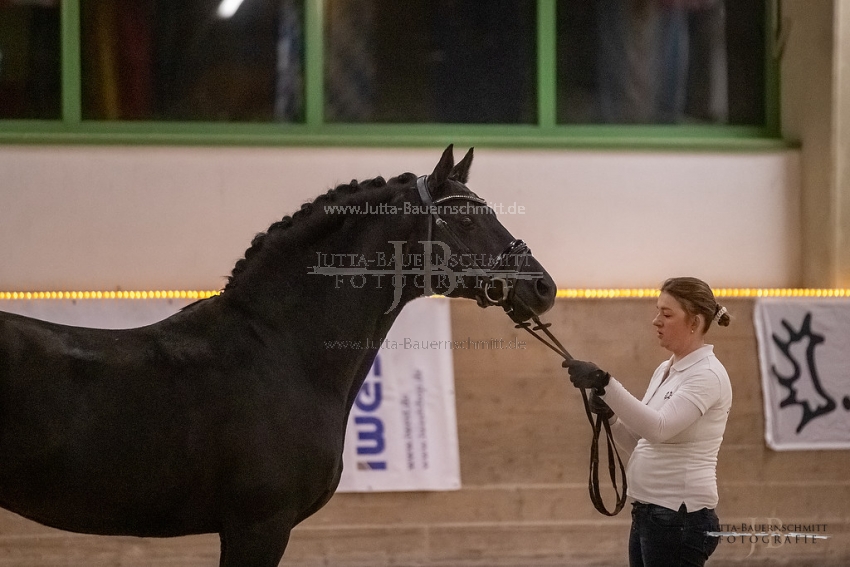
(661, 537)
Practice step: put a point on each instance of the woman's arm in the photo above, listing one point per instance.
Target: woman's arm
(677, 414)
(624, 438)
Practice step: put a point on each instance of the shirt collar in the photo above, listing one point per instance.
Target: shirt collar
(694, 357)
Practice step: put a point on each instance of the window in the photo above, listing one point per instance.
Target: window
(192, 60)
(443, 61)
(548, 73)
(29, 60)
(661, 62)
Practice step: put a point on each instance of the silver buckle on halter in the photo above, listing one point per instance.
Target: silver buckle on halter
(505, 289)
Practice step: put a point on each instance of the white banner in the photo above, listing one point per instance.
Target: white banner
(804, 353)
(402, 430)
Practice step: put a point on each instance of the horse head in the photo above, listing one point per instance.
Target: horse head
(475, 256)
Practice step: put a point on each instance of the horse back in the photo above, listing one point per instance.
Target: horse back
(172, 423)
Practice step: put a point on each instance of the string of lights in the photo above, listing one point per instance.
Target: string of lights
(578, 293)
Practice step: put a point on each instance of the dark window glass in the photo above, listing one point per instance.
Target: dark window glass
(213, 60)
(661, 61)
(443, 61)
(30, 64)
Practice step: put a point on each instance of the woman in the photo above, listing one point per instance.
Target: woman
(674, 434)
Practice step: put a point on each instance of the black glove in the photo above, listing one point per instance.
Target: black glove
(586, 375)
(598, 406)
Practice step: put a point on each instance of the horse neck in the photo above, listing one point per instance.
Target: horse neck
(335, 323)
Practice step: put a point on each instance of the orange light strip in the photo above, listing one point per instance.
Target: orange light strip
(586, 293)
(169, 294)
(718, 292)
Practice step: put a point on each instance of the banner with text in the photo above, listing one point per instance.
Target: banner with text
(402, 430)
(804, 353)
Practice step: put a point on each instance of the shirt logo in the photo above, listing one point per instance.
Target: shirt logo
(668, 395)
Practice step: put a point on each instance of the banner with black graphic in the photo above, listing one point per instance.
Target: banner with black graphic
(804, 352)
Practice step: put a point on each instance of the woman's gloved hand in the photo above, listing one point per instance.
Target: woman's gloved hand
(586, 375)
(598, 406)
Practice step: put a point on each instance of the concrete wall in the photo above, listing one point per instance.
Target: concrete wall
(524, 444)
(101, 218)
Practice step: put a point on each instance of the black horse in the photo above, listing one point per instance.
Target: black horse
(229, 417)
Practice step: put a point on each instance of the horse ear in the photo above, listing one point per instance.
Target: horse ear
(460, 172)
(443, 169)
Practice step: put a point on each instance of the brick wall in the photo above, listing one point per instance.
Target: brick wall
(524, 443)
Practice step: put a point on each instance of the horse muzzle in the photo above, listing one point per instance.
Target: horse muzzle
(519, 284)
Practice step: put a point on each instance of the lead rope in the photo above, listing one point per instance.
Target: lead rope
(597, 425)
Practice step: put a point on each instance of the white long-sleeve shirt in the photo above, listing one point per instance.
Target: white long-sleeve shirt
(674, 434)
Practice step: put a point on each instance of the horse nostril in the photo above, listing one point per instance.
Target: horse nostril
(542, 288)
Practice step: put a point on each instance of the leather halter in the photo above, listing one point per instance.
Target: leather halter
(496, 278)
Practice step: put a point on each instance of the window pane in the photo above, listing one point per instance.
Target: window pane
(212, 60)
(449, 61)
(30, 65)
(661, 61)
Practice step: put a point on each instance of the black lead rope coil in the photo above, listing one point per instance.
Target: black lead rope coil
(596, 424)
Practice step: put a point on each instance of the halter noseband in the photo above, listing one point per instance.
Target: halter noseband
(498, 274)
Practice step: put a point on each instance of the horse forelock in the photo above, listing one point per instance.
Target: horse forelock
(344, 198)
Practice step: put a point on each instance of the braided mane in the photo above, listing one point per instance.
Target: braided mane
(352, 194)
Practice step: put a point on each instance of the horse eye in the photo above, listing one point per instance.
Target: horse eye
(466, 222)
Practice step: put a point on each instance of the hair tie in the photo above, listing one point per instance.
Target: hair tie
(719, 314)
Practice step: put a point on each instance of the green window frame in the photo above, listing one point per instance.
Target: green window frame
(546, 133)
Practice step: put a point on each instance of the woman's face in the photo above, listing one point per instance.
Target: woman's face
(676, 330)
